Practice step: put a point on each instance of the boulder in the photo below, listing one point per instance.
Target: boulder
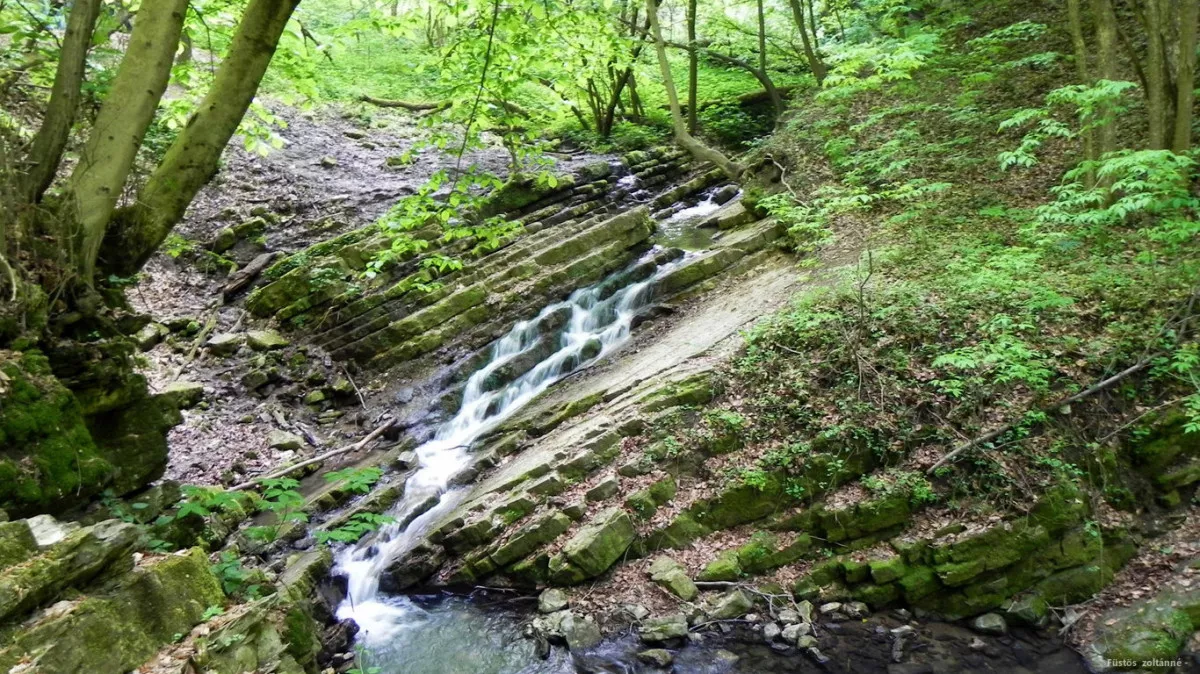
(579, 632)
(266, 340)
(671, 575)
(117, 629)
(225, 343)
(604, 490)
(150, 335)
(74, 560)
(601, 543)
(184, 394)
(792, 633)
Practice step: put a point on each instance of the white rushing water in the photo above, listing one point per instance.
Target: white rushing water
(596, 326)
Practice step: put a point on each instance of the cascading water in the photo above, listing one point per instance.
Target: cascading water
(600, 320)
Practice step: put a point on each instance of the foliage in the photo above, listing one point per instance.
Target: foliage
(357, 480)
(358, 526)
(281, 498)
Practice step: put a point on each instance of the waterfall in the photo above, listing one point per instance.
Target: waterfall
(600, 320)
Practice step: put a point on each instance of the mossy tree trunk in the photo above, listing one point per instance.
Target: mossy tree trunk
(1156, 73)
(98, 181)
(193, 158)
(697, 149)
(1082, 70)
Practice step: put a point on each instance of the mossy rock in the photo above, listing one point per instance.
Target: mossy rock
(48, 458)
(601, 543)
(697, 389)
(120, 628)
(1166, 442)
(726, 567)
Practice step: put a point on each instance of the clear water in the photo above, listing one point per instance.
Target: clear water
(599, 322)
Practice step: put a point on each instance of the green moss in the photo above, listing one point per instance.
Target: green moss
(48, 458)
(726, 567)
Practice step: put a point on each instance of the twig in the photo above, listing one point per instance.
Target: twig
(361, 401)
(317, 459)
(1136, 419)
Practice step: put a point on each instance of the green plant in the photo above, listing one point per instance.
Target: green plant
(234, 578)
(281, 498)
(357, 480)
(358, 526)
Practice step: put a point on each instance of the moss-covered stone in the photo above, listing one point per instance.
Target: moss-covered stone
(601, 543)
(48, 458)
(74, 560)
(529, 537)
(694, 390)
(117, 631)
(726, 567)
(671, 575)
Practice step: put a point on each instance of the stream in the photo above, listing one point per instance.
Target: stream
(600, 320)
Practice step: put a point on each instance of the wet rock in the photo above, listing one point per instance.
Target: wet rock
(725, 194)
(990, 623)
(225, 343)
(405, 395)
(184, 394)
(265, 340)
(580, 633)
(771, 632)
(725, 658)
(788, 616)
(329, 162)
(659, 657)
(732, 604)
(792, 633)
(670, 575)
(830, 607)
(658, 630)
(284, 441)
(1030, 609)
(552, 600)
(856, 610)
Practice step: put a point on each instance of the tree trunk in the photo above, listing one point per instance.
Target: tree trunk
(762, 38)
(814, 60)
(1185, 77)
(47, 148)
(193, 158)
(97, 182)
(1075, 21)
(1106, 69)
(1156, 88)
(693, 66)
(812, 24)
(697, 149)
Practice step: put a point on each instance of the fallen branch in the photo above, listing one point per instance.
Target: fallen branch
(394, 103)
(1090, 391)
(317, 459)
(242, 277)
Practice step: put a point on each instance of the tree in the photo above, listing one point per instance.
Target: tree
(811, 53)
(698, 150)
(693, 66)
(96, 233)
